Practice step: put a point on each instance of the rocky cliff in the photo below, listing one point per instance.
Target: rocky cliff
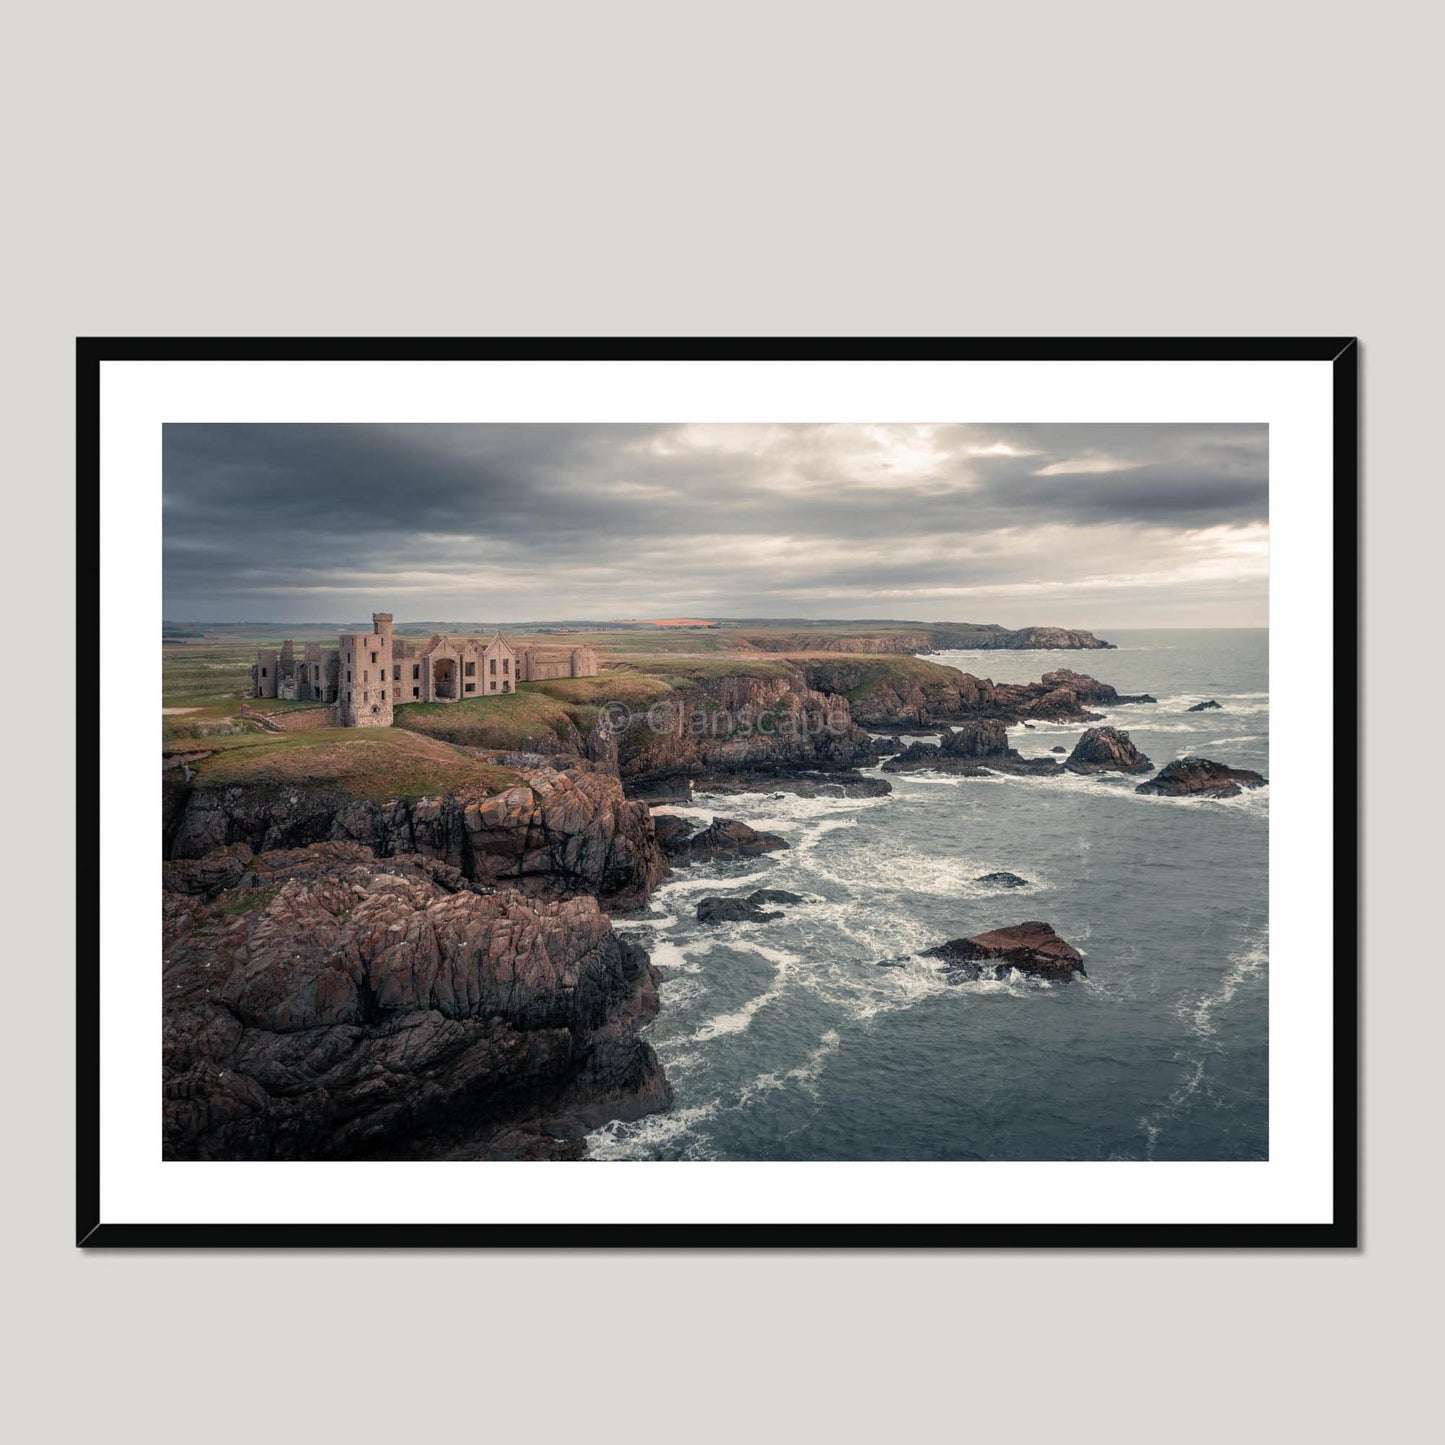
(927, 637)
(557, 833)
(323, 1003)
(734, 722)
(1043, 638)
(899, 695)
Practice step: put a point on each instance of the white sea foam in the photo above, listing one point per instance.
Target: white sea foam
(739, 1019)
(1232, 704)
(642, 1138)
(1199, 1014)
(705, 879)
(675, 957)
(1242, 965)
(805, 1075)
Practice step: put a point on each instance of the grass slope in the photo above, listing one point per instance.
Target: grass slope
(378, 764)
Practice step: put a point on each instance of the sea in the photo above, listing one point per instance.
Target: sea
(790, 1040)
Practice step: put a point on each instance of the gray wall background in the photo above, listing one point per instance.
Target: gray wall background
(710, 169)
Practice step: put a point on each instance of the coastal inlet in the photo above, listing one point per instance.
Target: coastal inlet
(829, 1032)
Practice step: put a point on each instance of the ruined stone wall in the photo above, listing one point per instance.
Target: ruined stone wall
(283, 673)
(542, 663)
(265, 671)
(302, 720)
(498, 667)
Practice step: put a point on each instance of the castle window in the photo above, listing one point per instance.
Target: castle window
(348, 675)
(263, 672)
(415, 671)
(494, 667)
(416, 692)
(494, 686)
(506, 664)
(373, 657)
(396, 674)
(471, 687)
(471, 669)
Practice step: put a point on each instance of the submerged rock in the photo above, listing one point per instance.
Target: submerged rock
(1002, 880)
(1200, 778)
(844, 784)
(1032, 948)
(744, 910)
(732, 910)
(1208, 706)
(1106, 750)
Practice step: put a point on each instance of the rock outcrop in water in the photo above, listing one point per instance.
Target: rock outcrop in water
(1091, 691)
(1002, 880)
(972, 750)
(1207, 706)
(1200, 778)
(1106, 750)
(918, 696)
(1032, 948)
(745, 910)
(683, 842)
(322, 1003)
(555, 834)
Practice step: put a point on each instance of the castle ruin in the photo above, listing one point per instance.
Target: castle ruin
(369, 673)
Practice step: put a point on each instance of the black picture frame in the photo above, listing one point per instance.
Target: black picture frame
(1343, 355)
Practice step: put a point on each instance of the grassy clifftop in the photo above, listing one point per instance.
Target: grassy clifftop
(535, 718)
(379, 764)
(861, 678)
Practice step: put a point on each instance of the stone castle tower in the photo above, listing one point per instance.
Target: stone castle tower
(363, 684)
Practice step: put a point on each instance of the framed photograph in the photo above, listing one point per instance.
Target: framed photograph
(719, 792)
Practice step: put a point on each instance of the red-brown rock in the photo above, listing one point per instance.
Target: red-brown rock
(1106, 750)
(344, 1006)
(1200, 778)
(1032, 948)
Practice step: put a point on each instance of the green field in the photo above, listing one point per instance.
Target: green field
(379, 764)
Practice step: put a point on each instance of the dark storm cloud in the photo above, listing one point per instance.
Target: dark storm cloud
(1012, 523)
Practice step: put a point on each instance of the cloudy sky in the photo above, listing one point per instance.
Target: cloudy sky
(1079, 526)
